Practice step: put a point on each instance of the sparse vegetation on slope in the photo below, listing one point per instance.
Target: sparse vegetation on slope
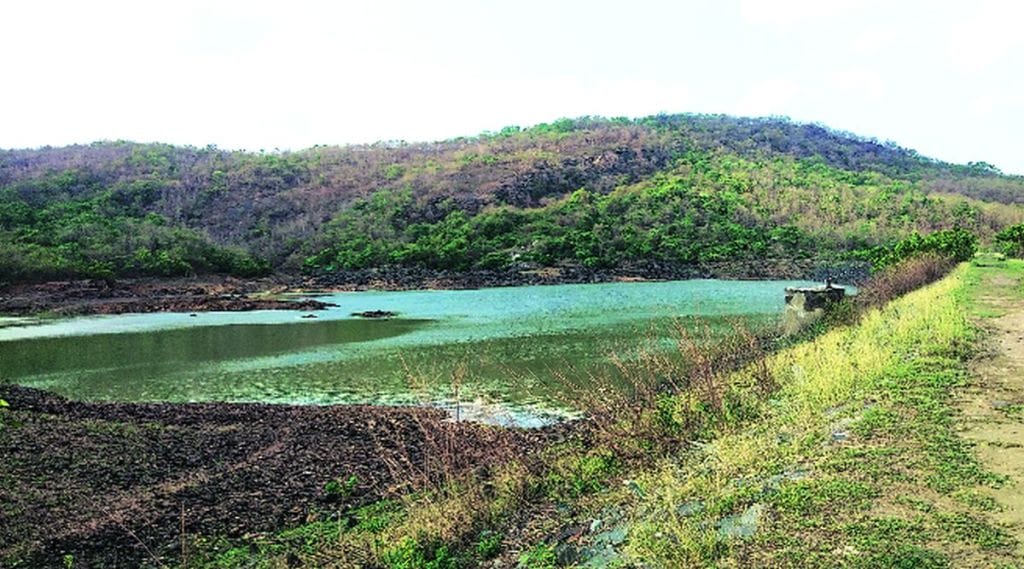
(707, 209)
(857, 464)
(670, 190)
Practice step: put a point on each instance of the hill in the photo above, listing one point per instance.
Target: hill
(669, 190)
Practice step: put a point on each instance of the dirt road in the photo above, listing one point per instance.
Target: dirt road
(992, 410)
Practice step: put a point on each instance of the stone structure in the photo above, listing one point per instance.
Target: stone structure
(806, 305)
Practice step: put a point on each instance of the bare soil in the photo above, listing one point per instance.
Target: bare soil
(66, 298)
(119, 485)
(992, 411)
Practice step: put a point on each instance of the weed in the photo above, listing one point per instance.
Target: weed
(916, 504)
(903, 277)
(807, 497)
(411, 553)
(976, 500)
(903, 556)
(876, 533)
(877, 421)
(970, 529)
(376, 517)
(339, 488)
(541, 556)
(578, 475)
(488, 544)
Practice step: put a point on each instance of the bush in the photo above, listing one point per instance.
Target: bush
(1011, 240)
(902, 277)
(956, 244)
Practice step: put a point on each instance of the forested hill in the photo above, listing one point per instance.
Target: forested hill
(673, 189)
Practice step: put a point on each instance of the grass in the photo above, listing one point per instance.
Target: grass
(985, 280)
(865, 416)
(541, 556)
(443, 528)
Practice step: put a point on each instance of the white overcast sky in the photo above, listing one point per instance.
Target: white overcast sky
(945, 78)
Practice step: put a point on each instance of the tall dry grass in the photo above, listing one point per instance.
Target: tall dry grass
(903, 277)
(661, 400)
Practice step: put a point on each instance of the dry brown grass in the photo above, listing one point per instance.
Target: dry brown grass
(901, 278)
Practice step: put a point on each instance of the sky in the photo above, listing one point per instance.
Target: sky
(942, 77)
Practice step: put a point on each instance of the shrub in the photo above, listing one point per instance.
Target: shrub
(957, 244)
(902, 277)
(1011, 240)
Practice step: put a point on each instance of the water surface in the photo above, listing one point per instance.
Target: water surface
(506, 354)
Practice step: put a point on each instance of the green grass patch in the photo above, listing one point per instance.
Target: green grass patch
(572, 475)
(541, 556)
(902, 556)
(808, 497)
(411, 553)
(868, 411)
(971, 529)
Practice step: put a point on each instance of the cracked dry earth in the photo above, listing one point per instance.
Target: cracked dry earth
(992, 410)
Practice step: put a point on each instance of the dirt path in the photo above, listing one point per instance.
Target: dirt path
(993, 408)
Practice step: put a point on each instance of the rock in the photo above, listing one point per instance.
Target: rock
(374, 314)
(743, 525)
(690, 508)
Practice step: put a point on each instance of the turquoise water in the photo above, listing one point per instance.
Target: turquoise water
(505, 355)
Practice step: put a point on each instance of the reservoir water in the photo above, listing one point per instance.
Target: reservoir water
(504, 354)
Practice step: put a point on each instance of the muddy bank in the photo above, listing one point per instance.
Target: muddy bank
(410, 278)
(67, 298)
(111, 483)
(230, 294)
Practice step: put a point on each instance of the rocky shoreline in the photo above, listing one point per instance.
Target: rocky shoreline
(413, 278)
(85, 297)
(113, 484)
(199, 294)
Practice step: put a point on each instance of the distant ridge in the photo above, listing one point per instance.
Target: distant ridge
(672, 189)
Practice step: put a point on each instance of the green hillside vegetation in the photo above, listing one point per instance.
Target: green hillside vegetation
(708, 208)
(673, 190)
(105, 237)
